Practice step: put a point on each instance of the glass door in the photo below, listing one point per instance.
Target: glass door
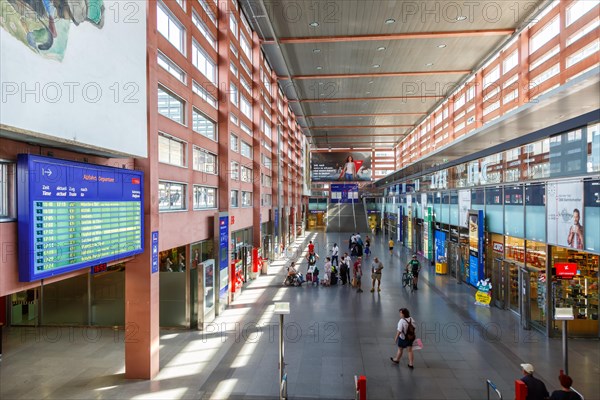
(525, 293)
(194, 295)
(500, 284)
(538, 304)
(513, 281)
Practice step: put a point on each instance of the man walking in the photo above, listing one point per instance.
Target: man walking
(357, 271)
(415, 267)
(376, 268)
(335, 250)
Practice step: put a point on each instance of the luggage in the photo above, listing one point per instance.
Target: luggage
(334, 278)
(309, 277)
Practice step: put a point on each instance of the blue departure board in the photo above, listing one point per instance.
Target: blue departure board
(74, 215)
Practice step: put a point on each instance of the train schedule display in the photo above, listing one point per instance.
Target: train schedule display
(75, 215)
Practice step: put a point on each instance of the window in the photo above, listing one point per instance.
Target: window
(510, 62)
(234, 142)
(544, 35)
(266, 180)
(171, 150)
(170, 67)
(233, 26)
(7, 186)
(246, 129)
(266, 79)
(170, 27)
(204, 63)
(233, 69)
(204, 30)
(204, 161)
(234, 119)
(266, 161)
(267, 128)
(235, 171)
(234, 50)
(584, 53)
(246, 174)
(171, 196)
(245, 23)
(246, 199)
(246, 86)
(491, 77)
(181, 4)
(246, 107)
(204, 95)
(203, 125)
(208, 10)
(234, 199)
(170, 106)
(578, 9)
(583, 31)
(266, 200)
(245, 45)
(204, 197)
(246, 150)
(245, 67)
(233, 94)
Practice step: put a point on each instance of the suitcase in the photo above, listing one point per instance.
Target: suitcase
(309, 277)
(334, 279)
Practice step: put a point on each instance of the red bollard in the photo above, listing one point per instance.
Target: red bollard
(232, 277)
(255, 260)
(520, 390)
(361, 387)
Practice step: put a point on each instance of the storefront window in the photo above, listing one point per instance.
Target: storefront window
(515, 249)
(494, 213)
(579, 293)
(477, 199)
(445, 218)
(454, 208)
(172, 300)
(568, 153)
(513, 211)
(593, 148)
(515, 256)
(537, 159)
(592, 215)
(536, 264)
(535, 212)
(437, 206)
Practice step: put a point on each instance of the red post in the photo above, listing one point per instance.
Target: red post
(255, 260)
(361, 386)
(520, 390)
(232, 277)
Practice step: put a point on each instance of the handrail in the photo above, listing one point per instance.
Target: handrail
(357, 393)
(283, 388)
(494, 387)
(580, 395)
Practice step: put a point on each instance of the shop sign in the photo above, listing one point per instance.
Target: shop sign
(232, 219)
(476, 246)
(565, 270)
(483, 296)
(498, 247)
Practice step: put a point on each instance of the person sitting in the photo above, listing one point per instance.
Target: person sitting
(292, 269)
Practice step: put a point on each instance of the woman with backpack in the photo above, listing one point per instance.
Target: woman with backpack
(405, 336)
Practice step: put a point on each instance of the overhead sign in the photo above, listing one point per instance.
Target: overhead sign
(565, 270)
(341, 166)
(74, 215)
(154, 252)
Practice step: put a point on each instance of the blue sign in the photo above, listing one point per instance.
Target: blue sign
(476, 246)
(440, 246)
(223, 254)
(344, 193)
(75, 215)
(154, 252)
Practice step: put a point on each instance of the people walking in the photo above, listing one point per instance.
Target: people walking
(367, 246)
(415, 266)
(345, 269)
(357, 273)
(536, 389)
(327, 276)
(405, 336)
(391, 245)
(311, 247)
(335, 250)
(376, 268)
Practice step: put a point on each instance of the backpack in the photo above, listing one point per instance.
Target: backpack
(312, 259)
(410, 334)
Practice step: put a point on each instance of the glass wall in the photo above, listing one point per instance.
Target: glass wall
(173, 288)
(494, 213)
(592, 216)
(66, 302)
(536, 264)
(535, 212)
(513, 211)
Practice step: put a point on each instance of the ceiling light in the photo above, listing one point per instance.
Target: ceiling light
(390, 21)
(429, 64)
(316, 50)
(370, 82)
(441, 46)
(322, 94)
(376, 65)
(368, 92)
(314, 24)
(320, 83)
(319, 67)
(324, 112)
(381, 48)
(461, 18)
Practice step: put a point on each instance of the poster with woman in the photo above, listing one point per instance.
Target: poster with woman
(565, 214)
(341, 166)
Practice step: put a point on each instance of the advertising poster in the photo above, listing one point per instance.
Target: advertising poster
(399, 228)
(340, 166)
(424, 204)
(476, 246)
(440, 246)
(428, 233)
(565, 214)
(464, 204)
(223, 257)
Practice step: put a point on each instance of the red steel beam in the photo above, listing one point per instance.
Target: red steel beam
(379, 75)
(337, 100)
(394, 36)
(363, 115)
(357, 135)
(325, 128)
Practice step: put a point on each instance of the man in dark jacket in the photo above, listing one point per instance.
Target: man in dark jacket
(536, 389)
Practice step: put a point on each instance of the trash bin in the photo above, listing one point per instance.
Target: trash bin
(265, 266)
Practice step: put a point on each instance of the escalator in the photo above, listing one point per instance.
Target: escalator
(347, 217)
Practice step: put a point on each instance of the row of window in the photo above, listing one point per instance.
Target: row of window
(172, 196)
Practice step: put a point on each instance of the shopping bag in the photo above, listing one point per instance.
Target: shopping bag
(417, 344)
(353, 282)
(309, 276)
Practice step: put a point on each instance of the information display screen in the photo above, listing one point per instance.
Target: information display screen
(74, 215)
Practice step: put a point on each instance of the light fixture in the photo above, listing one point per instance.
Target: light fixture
(390, 21)
(441, 46)
(376, 65)
(319, 67)
(381, 48)
(368, 92)
(461, 18)
(370, 82)
(320, 83)
(429, 64)
(314, 24)
(316, 50)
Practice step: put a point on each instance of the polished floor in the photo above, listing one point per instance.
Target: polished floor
(332, 334)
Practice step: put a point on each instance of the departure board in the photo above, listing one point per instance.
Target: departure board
(74, 215)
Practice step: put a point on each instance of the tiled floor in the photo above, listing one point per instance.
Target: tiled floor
(332, 334)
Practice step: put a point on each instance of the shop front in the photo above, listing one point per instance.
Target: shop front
(241, 250)
(202, 284)
(174, 288)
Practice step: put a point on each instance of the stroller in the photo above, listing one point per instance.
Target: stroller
(294, 280)
(334, 276)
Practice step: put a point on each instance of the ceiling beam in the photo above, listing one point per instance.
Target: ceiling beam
(393, 36)
(338, 100)
(363, 115)
(358, 135)
(322, 128)
(379, 75)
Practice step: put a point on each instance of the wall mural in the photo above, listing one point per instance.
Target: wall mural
(44, 25)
